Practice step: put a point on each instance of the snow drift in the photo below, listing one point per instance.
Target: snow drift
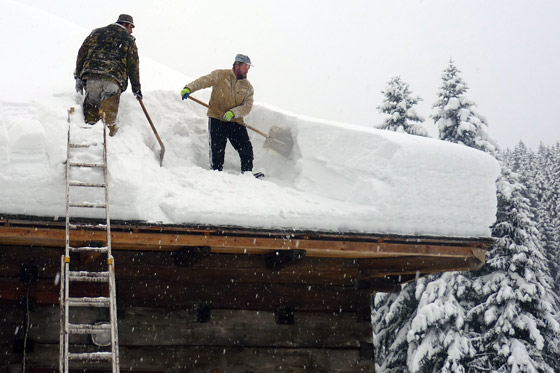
(339, 177)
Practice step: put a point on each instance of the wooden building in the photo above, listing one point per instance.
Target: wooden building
(216, 299)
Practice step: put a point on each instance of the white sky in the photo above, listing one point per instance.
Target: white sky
(330, 59)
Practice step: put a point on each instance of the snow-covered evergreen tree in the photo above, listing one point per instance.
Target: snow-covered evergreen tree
(547, 180)
(399, 104)
(514, 315)
(439, 335)
(554, 244)
(521, 160)
(547, 177)
(454, 114)
(439, 339)
(540, 174)
(391, 316)
(503, 318)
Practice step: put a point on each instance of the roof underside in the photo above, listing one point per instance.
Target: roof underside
(182, 265)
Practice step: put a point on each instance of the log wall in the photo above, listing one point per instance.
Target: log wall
(172, 340)
(216, 299)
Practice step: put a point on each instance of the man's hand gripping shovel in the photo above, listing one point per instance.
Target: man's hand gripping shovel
(278, 139)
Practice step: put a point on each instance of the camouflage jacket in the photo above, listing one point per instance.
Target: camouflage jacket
(110, 52)
(228, 93)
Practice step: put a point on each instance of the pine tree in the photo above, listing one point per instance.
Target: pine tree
(521, 161)
(547, 179)
(439, 339)
(554, 247)
(514, 315)
(390, 319)
(398, 105)
(454, 114)
(439, 334)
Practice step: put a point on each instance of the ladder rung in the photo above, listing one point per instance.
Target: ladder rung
(83, 145)
(88, 276)
(91, 249)
(80, 184)
(90, 356)
(89, 302)
(88, 328)
(88, 226)
(76, 164)
(88, 205)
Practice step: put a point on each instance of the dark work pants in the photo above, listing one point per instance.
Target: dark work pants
(219, 132)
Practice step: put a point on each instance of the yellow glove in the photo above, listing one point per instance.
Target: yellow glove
(228, 116)
(185, 93)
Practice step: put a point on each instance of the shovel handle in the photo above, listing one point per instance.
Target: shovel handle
(235, 120)
(154, 129)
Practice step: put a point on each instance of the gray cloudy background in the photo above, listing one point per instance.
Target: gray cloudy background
(331, 59)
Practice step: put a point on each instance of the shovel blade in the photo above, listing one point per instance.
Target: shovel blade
(280, 140)
(161, 154)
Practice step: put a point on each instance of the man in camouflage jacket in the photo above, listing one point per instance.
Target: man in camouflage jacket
(231, 99)
(107, 59)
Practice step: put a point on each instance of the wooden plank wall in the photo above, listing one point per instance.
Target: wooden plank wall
(157, 321)
(171, 340)
(228, 281)
(160, 284)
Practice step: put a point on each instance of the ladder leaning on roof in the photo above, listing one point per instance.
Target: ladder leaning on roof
(74, 310)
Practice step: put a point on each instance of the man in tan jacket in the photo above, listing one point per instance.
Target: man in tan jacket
(231, 99)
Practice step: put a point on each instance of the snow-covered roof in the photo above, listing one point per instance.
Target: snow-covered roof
(339, 177)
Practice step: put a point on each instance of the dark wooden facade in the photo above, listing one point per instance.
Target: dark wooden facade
(218, 299)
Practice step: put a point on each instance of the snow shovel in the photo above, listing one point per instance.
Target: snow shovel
(278, 139)
(155, 132)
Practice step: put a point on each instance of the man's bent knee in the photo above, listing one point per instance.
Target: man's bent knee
(109, 108)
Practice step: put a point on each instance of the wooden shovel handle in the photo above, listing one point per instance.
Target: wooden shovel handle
(154, 129)
(235, 120)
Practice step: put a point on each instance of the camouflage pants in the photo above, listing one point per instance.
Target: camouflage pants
(101, 101)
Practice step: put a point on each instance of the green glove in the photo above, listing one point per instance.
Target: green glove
(228, 116)
(185, 93)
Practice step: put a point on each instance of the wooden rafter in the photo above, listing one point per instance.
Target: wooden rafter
(228, 240)
(177, 264)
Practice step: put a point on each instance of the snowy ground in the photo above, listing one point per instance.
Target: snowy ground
(339, 177)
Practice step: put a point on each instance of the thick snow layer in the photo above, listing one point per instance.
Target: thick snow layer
(339, 177)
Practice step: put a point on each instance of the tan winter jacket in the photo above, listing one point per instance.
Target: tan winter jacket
(228, 93)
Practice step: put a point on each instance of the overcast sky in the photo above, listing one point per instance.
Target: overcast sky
(331, 59)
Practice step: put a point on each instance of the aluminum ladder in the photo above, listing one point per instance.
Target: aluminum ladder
(83, 177)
